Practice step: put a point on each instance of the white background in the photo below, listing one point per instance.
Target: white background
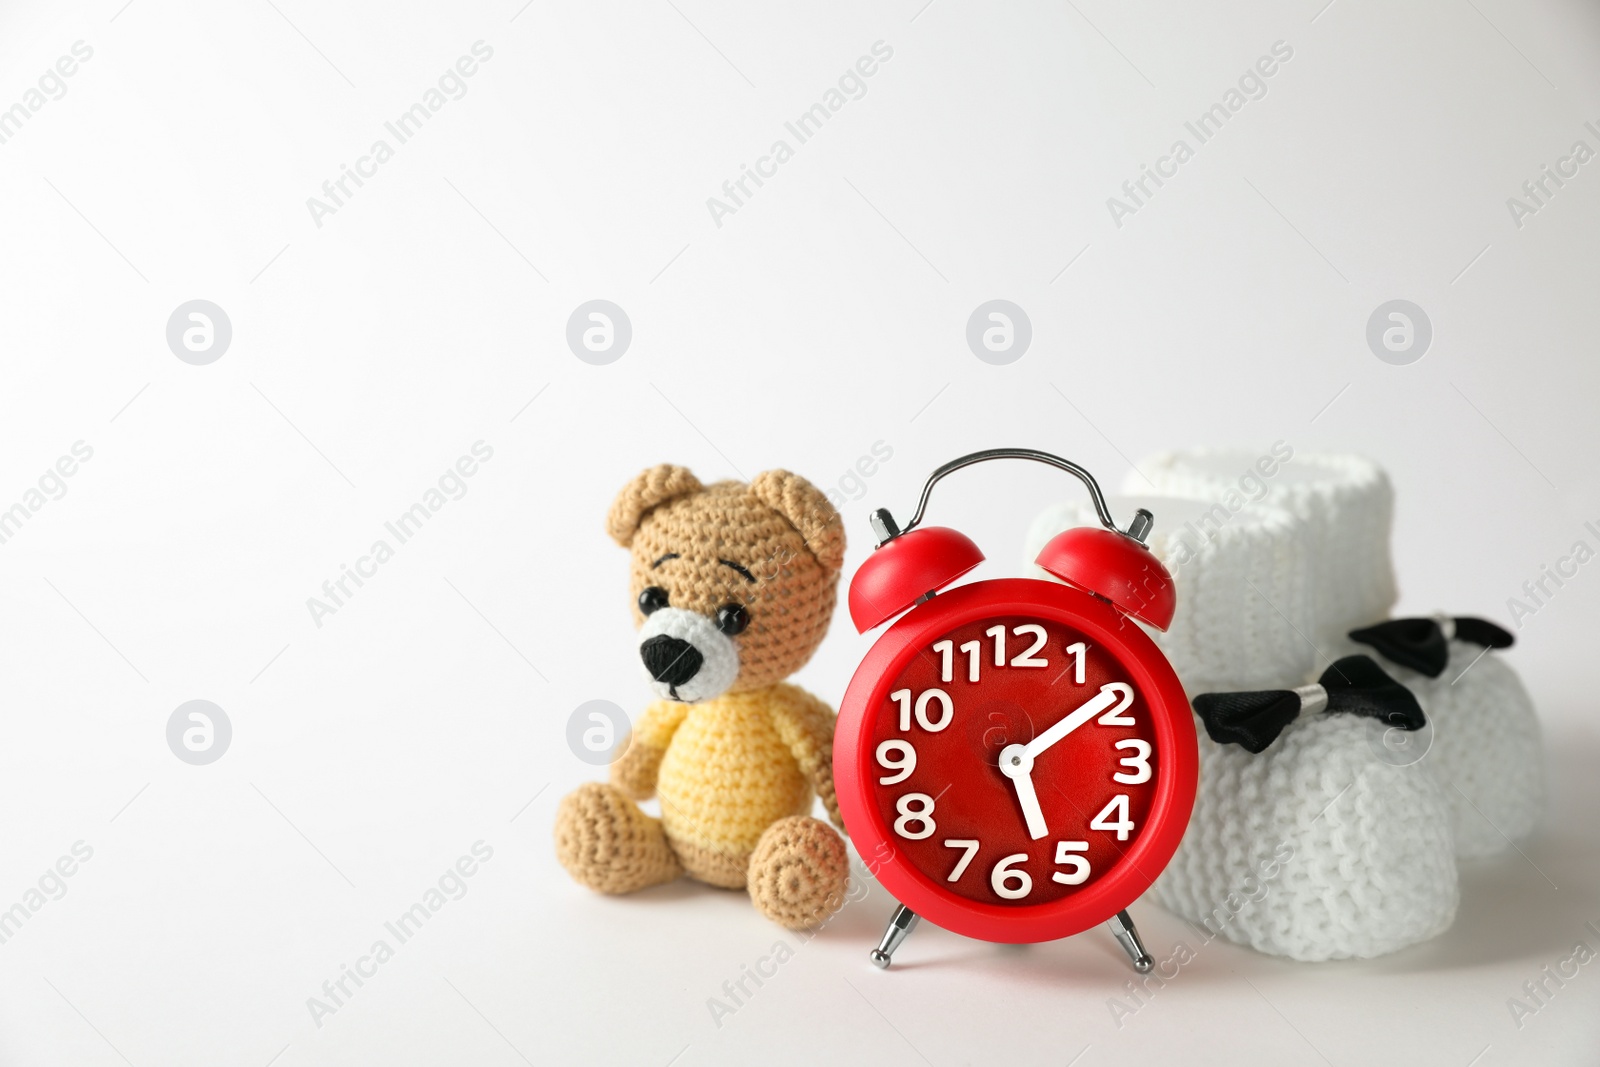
(827, 314)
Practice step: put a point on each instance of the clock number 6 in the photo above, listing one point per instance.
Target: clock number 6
(946, 709)
(1138, 764)
(1009, 883)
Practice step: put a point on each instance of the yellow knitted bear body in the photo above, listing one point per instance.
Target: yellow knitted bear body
(727, 775)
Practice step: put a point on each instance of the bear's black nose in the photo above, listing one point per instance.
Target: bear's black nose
(670, 659)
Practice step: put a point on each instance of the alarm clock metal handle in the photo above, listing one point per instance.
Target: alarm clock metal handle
(1024, 453)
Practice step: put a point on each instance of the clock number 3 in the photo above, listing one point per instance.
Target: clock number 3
(1138, 764)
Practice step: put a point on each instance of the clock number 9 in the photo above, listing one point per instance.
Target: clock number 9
(923, 814)
(905, 764)
(946, 709)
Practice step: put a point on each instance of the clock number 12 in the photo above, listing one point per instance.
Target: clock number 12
(1028, 657)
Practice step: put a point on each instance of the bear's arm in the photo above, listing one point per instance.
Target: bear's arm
(806, 726)
(635, 773)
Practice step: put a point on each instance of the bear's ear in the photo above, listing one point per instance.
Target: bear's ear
(808, 510)
(652, 488)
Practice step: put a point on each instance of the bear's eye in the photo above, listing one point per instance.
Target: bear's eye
(654, 598)
(732, 619)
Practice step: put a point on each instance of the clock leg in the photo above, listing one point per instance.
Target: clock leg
(901, 923)
(1127, 935)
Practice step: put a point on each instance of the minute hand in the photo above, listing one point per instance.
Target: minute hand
(1110, 693)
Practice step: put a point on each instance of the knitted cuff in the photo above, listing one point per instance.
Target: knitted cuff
(1346, 502)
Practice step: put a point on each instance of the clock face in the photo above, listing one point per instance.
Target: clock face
(1016, 760)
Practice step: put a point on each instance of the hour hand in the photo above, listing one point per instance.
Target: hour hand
(1017, 765)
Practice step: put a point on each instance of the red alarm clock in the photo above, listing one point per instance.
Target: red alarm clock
(1014, 758)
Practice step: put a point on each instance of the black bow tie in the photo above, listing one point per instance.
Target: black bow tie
(1354, 685)
(1424, 644)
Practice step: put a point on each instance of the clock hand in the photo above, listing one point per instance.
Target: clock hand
(1110, 693)
(1016, 765)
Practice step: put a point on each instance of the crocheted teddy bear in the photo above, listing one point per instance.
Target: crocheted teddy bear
(733, 588)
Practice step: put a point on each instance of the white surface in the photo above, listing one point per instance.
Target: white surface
(824, 316)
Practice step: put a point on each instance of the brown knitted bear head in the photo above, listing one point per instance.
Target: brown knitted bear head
(733, 585)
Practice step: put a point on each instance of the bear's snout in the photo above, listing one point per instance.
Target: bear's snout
(670, 660)
(687, 656)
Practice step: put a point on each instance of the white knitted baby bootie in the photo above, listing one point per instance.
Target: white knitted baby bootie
(1486, 750)
(1309, 838)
